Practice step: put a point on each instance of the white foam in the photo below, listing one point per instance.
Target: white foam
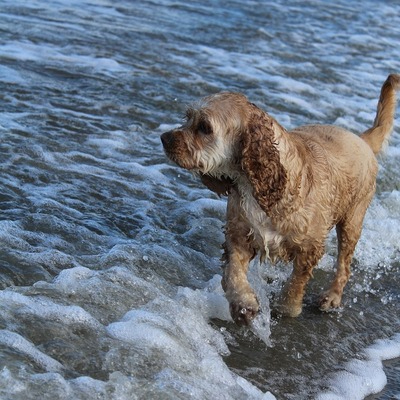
(291, 85)
(392, 151)
(9, 120)
(17, 342)
(200, 205)
(182, 350)
(10, 75)
(46, 309)
(25, 386)
(70, 278)
(169, 326)
(362, 377)
(178, 333)
(379, 240)
(27, 51)
(301, 103)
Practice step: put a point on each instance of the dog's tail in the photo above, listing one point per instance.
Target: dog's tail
(377, 137)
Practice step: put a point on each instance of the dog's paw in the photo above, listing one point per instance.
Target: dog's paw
(286, 309)
(244, 309)
(330, 300)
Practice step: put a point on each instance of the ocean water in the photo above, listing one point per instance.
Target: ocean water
(109, 254)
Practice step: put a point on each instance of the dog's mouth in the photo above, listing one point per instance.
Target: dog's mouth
(220, 185)
(178, 161)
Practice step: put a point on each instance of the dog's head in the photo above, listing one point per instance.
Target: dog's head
(207, 140)
(225, 136)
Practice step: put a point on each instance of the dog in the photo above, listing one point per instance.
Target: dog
(286, 190)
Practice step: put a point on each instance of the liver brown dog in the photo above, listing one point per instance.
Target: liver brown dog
(286, 189)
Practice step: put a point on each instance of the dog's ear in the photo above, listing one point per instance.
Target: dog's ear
(260, 159)
(221, 186)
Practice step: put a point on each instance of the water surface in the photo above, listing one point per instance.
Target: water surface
(109, 254)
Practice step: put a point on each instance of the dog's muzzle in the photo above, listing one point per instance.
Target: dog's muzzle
(167, 140)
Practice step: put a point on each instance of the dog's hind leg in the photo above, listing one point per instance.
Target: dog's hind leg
(290, 303)
(348, 233)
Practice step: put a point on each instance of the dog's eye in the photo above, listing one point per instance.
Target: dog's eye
(204, 127)
(189, 114)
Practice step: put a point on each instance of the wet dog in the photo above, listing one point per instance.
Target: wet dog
(286, 189)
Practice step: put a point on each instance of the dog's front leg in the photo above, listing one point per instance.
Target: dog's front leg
(238, 252)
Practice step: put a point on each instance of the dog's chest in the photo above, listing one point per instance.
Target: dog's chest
(266, 236)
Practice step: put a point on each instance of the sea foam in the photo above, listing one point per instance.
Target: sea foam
(362, 377)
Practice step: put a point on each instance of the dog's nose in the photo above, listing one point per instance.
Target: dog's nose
(166, 139)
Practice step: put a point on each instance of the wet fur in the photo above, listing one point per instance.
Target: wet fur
(286, 189)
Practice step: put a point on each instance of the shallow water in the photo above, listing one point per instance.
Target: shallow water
(109, 257)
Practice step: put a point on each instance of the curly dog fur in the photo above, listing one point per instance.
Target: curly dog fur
(286, 189)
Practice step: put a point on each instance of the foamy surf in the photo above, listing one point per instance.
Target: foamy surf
(363, 376)
(109, 255)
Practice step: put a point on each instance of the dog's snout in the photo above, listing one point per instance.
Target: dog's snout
(166, 139)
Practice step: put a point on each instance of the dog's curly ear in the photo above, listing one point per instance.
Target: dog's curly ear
(221, 186)
(260, 159)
